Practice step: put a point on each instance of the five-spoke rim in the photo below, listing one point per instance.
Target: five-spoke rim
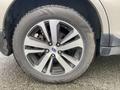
(53, 47)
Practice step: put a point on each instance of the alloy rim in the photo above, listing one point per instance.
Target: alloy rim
(53, 47)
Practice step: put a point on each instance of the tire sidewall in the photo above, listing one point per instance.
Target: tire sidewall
(61, 13)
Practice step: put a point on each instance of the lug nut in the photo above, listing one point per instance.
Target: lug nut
(47, 51)
(53, 55)
(58, 44)
(59, 52)
(50, 44)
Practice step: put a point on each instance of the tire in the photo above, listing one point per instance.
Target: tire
(59, 13)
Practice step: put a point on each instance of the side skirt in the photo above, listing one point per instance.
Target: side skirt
(108, 51)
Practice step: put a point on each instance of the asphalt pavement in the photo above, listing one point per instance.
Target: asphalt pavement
(103, 74)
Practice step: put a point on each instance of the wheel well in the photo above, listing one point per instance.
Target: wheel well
(20, 7)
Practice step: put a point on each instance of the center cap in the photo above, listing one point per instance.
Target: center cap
(54, 50)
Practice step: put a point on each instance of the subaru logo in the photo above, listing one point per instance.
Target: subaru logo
(53, 49)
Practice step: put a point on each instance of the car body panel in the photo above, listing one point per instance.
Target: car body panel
(113, 11)
(104, 22)
(4, 5)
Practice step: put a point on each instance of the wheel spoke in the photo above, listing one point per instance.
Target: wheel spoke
(29, 41)
(54, 30)
(71, 59)
(44, 29)
(29, 51)
(72, 34)
(73, 44)
(49, 66)
(63, 63)
(43, 62)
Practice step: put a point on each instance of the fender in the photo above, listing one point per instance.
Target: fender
(5, 5)
(105, 38)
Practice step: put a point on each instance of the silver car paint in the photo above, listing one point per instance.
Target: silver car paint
(108, 10)
(4, 5)
(113, 11)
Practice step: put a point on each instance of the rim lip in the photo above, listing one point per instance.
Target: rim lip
(62, 21)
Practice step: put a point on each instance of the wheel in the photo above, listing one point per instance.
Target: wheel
(54, 44)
